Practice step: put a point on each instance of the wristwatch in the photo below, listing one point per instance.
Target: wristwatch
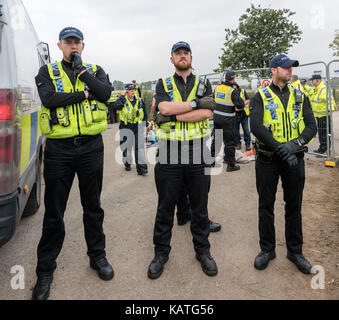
(301, 142)
(193, 104)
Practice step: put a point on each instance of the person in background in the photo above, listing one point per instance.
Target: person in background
(133, 118)
(241, 118)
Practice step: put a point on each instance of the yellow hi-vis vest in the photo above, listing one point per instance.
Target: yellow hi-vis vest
(297, 85)
(114, 97)
(284, 125)
(307, 89)
(246, 108)
(84, 118)
(130, 114)
(137, 92)
(223, 100)
(177, 130)
(318, 101)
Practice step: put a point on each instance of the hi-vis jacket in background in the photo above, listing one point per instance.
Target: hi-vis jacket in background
(318, 101)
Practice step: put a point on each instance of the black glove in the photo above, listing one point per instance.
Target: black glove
(162, 119)
(292, 160)
(205, 103)
(288, 148)
(91, 96)
(77, 62)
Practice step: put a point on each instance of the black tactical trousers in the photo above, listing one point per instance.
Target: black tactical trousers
(322, 132)
(63, 159)
(293, 179)
(132, 137)
(226, 124)
(183, 207)
(170, 181)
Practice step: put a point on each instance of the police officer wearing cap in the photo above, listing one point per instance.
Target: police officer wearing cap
(73, 116)
(185, 103)
(318, 96)
(133, 118)
(283, 123)
(228, 100)
(306, 87)
(138, 93)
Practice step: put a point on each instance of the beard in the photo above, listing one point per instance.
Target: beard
(183, 65)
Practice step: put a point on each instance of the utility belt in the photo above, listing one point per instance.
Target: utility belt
(266, 154)
(78, 140)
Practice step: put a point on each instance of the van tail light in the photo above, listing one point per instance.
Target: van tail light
(6, 104)
(6, 125)
(8, 167)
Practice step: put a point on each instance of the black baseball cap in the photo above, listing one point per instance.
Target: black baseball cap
(303, 81)
(316, 77)
(70, 32)
(129, 86)
(179, 45)
(283, 61)
(230, 74)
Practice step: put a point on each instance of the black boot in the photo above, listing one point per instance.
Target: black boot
(300, 261)
(142, 171)
(104, 269)
(128, 167)
(214, 227)
(232, 168)
(262, 259)
(208, 264)
(156, 267)
(42, 288)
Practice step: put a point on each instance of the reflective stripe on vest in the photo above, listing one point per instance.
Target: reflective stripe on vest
(285, 125)
(225, 114)
(85, 118)
(177, 130)
(113, 97)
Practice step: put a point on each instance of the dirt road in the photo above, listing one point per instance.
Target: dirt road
(130, 203)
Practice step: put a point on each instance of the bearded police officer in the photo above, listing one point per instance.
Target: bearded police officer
(73, 116)
(283, 123)
(185, 105)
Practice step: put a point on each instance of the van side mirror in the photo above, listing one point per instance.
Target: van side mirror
(43, 50)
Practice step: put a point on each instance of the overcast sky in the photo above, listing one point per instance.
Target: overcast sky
(132, 39)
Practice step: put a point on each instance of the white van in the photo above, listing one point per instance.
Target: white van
(21, 141)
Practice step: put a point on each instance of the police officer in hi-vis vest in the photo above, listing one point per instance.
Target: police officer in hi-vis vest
(185, 103)
(132, 127)
(283, 123)
(228, 100)
(73, 116)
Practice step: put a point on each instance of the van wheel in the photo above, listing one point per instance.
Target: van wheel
(34, 200)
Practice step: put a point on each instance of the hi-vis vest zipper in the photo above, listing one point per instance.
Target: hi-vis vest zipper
(132, 114)
(284, 125)
(85, 118)
(177, 130)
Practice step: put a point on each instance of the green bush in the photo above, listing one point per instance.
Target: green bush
(147, 96)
